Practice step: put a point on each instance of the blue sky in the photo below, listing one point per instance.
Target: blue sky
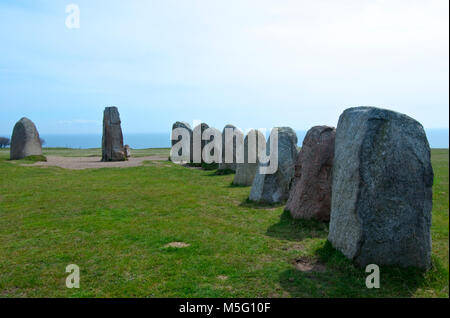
(254, 63)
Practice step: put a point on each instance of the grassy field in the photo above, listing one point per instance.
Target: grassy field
(115, 223)
(97, 152)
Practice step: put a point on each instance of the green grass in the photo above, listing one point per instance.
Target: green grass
(34, 158)
(95, 152)
(114, 223)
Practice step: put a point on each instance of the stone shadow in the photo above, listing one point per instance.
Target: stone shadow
(338, 277)
(247, 203)
(214, 173)
(297, 230)
(232, 185)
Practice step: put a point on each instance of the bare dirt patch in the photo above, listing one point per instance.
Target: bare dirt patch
(79, 163)
(222, 277)
(294, 247)
(177, 244)
(309, 265)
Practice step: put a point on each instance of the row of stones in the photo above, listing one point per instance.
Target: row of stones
(371, 177)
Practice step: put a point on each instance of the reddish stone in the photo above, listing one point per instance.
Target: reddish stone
(310, 195)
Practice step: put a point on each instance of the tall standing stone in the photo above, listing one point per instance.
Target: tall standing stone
(25, 140)
(184, 125)
(274, 188)
(310, 196)
(213, 149)
(197, 134)
(112, 140)
(382, 189)
(232, 165)
(245, 172)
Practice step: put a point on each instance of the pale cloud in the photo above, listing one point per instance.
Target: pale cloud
(375, 25)
(253, 63)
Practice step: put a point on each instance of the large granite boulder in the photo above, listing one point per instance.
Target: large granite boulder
(382, 189)
(182, 124)
(112, 140)
(25, 140)
(230, 166)
(274, 188)
(310, 195)
(197, 134)
(245, 172)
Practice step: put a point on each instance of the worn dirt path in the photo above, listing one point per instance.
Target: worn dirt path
(79, 163)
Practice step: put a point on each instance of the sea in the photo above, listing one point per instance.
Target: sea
(438, 138)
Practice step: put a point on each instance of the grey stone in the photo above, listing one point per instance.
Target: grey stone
(245, 172)
(112, 140)
(214, 153)
(25, 140)
(274, 188)
(185, 125)
(223, 165)
(197, 133)
(310, 195)
(382, 189)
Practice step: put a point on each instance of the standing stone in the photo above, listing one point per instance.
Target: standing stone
(310, 196)
(274, 188)
(229, 166)
(245, 172)
(112, 140)
(25, 140)
(198, 133)
(185, 125)
(382, 189)
(212, 149)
